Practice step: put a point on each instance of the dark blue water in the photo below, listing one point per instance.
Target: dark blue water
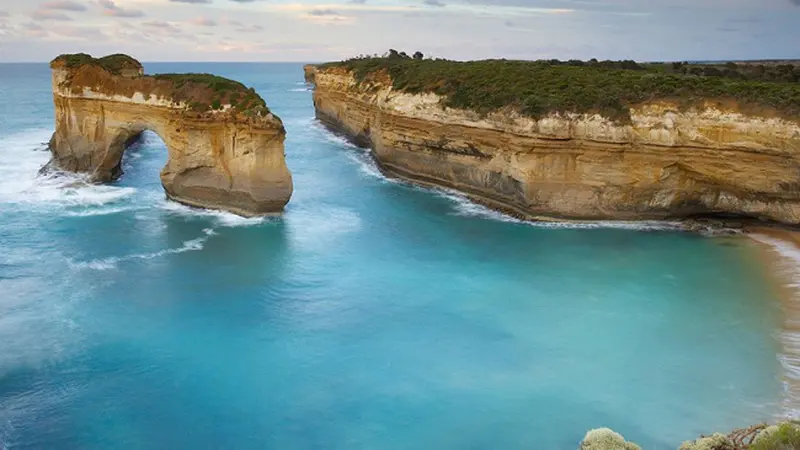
(371, 315)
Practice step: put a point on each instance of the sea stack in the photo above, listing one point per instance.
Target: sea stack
(599, 143)
(225, 146)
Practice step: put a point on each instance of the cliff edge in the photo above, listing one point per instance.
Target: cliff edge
(662, 147)
(225, 146)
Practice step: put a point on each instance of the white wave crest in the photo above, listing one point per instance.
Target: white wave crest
(98, 212)
(332, 137)
(222, 218)
(466, 207)
(789, 273)
(304, 89)
(111, 263)
(23, 154)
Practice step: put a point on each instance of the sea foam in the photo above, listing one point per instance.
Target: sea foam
(111, 263)
(23, 154)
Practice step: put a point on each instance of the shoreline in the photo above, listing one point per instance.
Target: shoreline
(778, 252)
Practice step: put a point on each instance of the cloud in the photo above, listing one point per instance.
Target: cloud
(64, 5)
(160, 25)
(250, 28)
(203, 22)
(3, 14)
(795, 2)
(326, 16)
(433, 3)
(244, 1)
(111, 9)
(195, 2)
(78, 33)
(46, 14)
(323, 12)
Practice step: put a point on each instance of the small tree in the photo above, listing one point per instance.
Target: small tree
(418, 55)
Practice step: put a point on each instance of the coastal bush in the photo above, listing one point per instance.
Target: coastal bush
(536, 88)
(716, 441)
(606, 439)
(201, 91)
(783, 437)
(115, 63)
(221, 91)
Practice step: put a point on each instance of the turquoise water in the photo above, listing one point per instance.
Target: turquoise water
(371, 315)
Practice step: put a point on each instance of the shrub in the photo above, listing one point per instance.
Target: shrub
(783, 437)
(536, 88)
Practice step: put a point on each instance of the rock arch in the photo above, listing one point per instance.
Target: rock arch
(225, 147)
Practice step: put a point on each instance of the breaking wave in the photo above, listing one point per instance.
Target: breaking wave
(112, 262)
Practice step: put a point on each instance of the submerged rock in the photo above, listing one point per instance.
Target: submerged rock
(606, 439)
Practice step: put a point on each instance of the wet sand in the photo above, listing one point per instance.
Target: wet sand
(779, 252)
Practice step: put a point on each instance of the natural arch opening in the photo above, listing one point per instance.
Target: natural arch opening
(143, 159)
(129, 147)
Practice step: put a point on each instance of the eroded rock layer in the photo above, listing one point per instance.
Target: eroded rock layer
(220, 156)
(668, 163)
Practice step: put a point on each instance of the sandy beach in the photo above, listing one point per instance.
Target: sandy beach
(779, 252)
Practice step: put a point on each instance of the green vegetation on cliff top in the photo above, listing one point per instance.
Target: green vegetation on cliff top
(536, 88)
(202, 91)
(227, 92)
(113, 63)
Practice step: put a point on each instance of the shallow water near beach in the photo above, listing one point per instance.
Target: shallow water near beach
(372, 314)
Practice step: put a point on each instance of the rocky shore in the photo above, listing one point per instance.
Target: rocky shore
(670, 162)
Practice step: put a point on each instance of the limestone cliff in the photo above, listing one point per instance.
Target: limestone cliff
(225, 147)
(667, 162)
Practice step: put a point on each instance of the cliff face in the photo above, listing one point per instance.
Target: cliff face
(223, 159)
(667, 163)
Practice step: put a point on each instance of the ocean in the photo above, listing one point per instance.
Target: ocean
(371, 314)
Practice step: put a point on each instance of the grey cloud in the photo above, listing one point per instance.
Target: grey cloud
(250, 29)
(433, 3)
(795, 2)
(46, 14)
(243, 1)
(323, 12)
(3, 14)
(64, 5)
(111, 9)
(195, 2)
(79, 32)
(158, 24)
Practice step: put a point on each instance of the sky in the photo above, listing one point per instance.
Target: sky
(322, 30)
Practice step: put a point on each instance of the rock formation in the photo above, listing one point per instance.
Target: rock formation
(225, 147)
(668, 162)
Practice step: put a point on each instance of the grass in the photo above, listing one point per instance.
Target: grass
(536, 88)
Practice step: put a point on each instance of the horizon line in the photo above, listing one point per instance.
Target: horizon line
(460, 60)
